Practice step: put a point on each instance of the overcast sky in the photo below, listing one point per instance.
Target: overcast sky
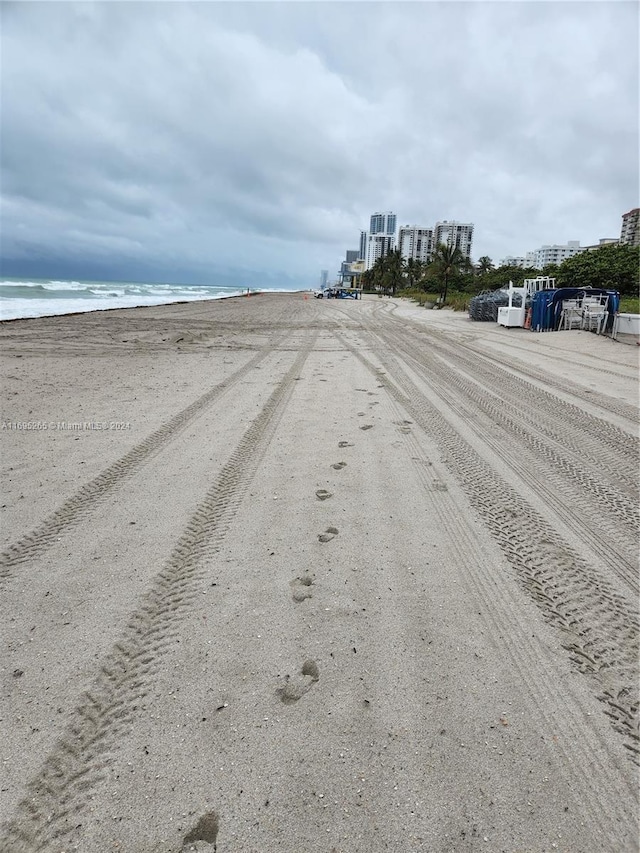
(250, 142)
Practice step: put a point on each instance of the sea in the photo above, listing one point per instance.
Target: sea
(47, 297)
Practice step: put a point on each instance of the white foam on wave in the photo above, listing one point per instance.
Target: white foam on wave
(16, 308)
(65, 285)
(105, 294)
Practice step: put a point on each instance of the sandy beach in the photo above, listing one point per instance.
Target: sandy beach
(285, 575)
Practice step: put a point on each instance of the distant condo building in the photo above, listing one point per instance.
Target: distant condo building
(324, 277)
(603, 241)
(630, 233)
(456, 234)
(546, 255)
(379, 240)
(383, 223)
(509, 261)
(374, 246)
(556, 254)
(415, 243)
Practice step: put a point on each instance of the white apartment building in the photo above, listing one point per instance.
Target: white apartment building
(555, 254)
(458, 234)
(510, 261)
(415, 243)
(630, 232)
(374, 246)
(379, 240)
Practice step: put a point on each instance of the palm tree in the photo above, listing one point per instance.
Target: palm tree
(485, 264)
(367, 280)
(392, 271)
(447, 262)
(414, 270)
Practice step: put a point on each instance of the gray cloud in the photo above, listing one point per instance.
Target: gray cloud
(227, 138)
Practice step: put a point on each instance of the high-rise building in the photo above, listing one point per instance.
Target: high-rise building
(454, 234)
(324, 277)
(630, 233)
(383, 223)
(362, 251)
(377, 246)
(379, 240)
(415, 243)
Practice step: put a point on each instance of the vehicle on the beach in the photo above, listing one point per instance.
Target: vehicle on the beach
(337, 293)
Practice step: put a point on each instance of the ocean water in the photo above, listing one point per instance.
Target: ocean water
(44, 298)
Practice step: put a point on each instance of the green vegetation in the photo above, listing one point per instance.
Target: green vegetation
(612, 267)
(387, 275)
(457, 300)
(448, 265)
(451, 280)
(630, 304)
(485, 265)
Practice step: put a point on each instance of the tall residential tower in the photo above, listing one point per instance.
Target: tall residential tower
(380, 239)
(454, 234)
(630, 232)
(415, 243)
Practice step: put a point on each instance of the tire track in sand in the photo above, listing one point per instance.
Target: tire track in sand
(81, 504)
(527, 373)
(500, 609)
(598, 629)
(622, 504)
(577, 495)
(105, 713)
(588, 432)
(566, 386)
(568, 427)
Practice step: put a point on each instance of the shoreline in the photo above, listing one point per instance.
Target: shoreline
(157, 305)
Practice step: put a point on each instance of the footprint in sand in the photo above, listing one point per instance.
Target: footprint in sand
(367, 426)
(345, 444)
(301, 587)
(329, 534)
(205, 830)
(339, 465)
(323, 494)
(297, 685)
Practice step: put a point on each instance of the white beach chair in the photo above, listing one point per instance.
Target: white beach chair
(571, 317)
(595, 314)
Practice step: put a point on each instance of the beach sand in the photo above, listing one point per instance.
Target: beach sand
(285, 574)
